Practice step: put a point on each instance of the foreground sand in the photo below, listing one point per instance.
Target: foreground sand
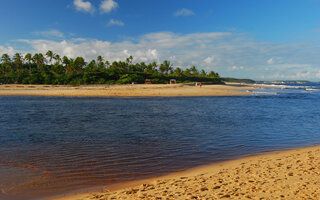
(293, 174)
(138, 90)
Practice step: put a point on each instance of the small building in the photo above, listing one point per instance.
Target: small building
(148, 81)
(173, 81)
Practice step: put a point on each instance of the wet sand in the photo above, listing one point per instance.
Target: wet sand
(138, 90)
(291, 174)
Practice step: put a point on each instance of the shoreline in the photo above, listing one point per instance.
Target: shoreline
(285, 174)
(137, 90)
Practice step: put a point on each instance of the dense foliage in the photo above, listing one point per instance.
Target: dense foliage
(52, 69)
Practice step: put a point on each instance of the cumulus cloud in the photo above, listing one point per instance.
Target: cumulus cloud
(183, 12)
(7, 50)
(229, 53)
(50, 33)
(107, 6)
(114, 22)
(83, 6)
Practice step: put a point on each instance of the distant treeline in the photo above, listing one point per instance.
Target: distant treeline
(237, 80)
(52, 69)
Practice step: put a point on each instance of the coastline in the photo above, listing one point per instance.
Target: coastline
(137, 90)
(288, 174)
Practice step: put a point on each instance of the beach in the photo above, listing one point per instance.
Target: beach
(136, 90)
(290, 174)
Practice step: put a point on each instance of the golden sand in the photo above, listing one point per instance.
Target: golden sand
(292, 174)
(138, 90)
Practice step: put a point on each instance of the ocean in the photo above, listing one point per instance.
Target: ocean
(54, 145)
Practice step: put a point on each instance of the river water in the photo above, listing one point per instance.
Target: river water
(54, 145)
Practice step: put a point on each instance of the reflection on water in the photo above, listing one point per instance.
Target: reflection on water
(51, 145)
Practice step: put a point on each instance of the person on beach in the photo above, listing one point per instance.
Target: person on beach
(200, 84)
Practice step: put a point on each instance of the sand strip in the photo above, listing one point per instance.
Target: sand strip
(138, 90)
(292, 174)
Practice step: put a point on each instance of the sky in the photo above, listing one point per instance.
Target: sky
(257, 39)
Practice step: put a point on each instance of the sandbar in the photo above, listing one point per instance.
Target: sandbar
(290, 174)
(136, 90)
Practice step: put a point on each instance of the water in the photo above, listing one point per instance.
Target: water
(53, 145)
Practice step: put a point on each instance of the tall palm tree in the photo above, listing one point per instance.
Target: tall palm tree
(50, 55)
(57, 58)
(17, 59)
(203, 73)
(177, 72)
(5, 58)
(66, 62)
(79, 63)
(129, 60)
(28, 58)
(100, 61)
(38, 59)
(194, 71)
(165, 67)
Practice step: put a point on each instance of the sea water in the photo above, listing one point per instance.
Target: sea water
(54, 145)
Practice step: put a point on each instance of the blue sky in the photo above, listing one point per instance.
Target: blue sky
(258, 39)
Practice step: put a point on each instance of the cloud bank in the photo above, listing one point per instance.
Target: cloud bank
(228, 53)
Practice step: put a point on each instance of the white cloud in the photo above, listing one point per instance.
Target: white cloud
(183, 12)
(270, 61)
(114, 22)
(83, 6)
(7, 50)
(50, 33)
(107, 6)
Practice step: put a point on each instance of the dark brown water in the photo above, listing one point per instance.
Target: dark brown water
(53, 145)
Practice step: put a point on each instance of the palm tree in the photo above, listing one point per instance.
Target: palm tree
(107, 63)
(100, 62)
(66, 62)
(99, 59)
(212, 74)
(50, 55)
(78, 64)
(177, 72)
(17, 59)
(38, 59)
(129, 60)
(28, 57)
(5, 58)
(194, 71)
(203, 73)
(57, 58)
(165, 67)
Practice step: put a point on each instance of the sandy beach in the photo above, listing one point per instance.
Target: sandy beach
(291, 174)
(138, 90)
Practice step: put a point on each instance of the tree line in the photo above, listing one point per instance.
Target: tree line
(53, 69)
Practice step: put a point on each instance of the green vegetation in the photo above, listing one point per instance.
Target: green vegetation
(52, 69)
(236, 80)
